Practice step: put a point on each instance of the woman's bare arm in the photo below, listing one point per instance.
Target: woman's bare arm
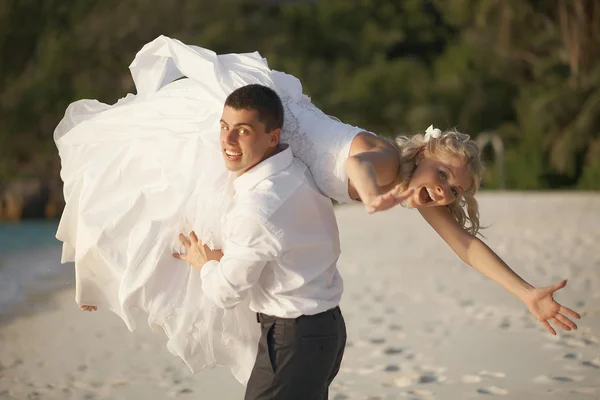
(474, 252)
(477, 254)
(372, 167)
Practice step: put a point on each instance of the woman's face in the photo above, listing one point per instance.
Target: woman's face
(438, 182)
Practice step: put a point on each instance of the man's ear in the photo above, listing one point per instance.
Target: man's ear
(275, 137)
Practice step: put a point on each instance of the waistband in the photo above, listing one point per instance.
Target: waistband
(260, 317)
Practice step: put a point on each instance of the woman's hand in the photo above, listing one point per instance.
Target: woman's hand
(387, 200)
(545, 309)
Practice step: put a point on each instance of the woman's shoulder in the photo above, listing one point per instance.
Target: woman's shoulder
(368, 141)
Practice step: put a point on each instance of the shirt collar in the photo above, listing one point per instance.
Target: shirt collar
(264, 169)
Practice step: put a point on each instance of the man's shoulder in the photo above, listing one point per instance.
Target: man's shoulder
(270, 194)
(297, 172)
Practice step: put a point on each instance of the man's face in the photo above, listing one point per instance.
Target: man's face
(244, 140)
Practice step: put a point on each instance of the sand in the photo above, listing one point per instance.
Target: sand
(421, 324)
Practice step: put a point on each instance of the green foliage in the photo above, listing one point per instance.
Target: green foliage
(527, 70)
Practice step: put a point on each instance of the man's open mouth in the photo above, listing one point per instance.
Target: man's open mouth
(232, 155)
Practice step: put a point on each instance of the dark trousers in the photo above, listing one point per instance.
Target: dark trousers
(297, 358)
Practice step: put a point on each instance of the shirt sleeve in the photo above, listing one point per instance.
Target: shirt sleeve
(248, 247)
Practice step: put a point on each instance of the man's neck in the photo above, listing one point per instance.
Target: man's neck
(270, 153)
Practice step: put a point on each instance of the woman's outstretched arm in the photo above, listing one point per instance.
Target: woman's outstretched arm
(478, 255)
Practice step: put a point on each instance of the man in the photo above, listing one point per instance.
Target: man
(280, 247)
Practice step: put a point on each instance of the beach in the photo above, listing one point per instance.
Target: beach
(421, 324)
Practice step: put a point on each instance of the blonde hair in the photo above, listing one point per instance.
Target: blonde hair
(465, 209)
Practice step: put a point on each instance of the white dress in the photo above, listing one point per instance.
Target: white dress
(139, 172)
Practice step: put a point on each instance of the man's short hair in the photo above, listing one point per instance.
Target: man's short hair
(261, 99)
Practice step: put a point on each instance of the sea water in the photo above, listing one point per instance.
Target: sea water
(30, 262)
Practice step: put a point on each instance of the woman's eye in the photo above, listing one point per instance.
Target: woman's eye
(455, 192)
(443, 175)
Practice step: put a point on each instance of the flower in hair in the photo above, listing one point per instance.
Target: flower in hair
(432, 132)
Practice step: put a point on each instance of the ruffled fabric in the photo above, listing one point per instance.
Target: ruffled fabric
(139, 172)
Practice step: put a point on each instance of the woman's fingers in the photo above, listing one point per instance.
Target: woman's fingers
(400, 197)
(560, 324)
(558, 285)
(566, 321)
(548, 327)
(565, 310)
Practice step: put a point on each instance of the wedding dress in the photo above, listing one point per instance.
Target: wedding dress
(139, 172)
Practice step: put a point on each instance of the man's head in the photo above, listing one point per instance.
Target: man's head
(250, 127)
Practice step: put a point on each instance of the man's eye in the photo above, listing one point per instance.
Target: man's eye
(455, 192)
(443, 175)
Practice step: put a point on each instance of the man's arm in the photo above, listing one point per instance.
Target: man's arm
(249, 246)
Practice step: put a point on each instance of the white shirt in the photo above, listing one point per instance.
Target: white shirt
(280, 243)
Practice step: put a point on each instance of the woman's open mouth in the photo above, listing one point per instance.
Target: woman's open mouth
(425, 195)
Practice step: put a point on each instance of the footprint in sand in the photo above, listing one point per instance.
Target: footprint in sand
(591, 340)
(394, 327)
(470, 379)
(574, 368)
(530, 325)
(392, 368)
(467, 303)
(571, 342)
(585, 390)
(595, 363)
(552, 346)
(491, 374)
(377, 340)
(359, 343)
(340, 396)
(420, 392)
(365, 371)
(545, 379)
(505, 324)
(376, 320)
(392, 350)
(378, 299)
(405, 380)
(493, 390)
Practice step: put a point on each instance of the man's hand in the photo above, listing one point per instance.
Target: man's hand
(387, 200)
(197, 253)
(545, 309)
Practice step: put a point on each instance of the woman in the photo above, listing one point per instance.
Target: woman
(139, 172)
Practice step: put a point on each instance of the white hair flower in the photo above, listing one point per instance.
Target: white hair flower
(432, 132)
